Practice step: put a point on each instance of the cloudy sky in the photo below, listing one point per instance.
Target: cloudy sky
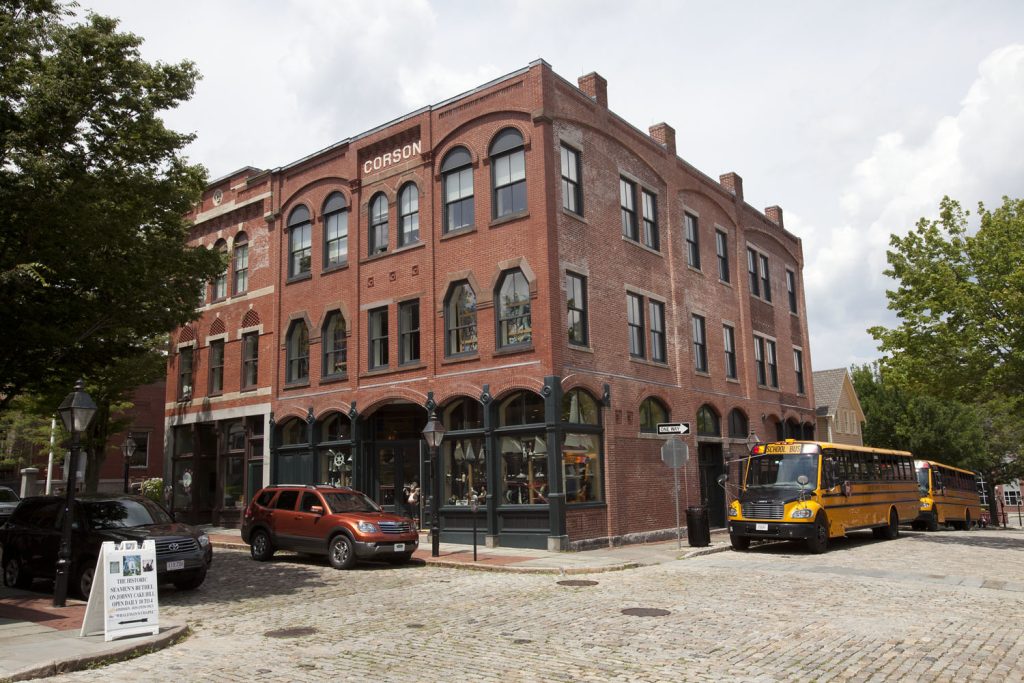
(855, 117)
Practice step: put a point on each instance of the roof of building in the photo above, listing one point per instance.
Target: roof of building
(828, 388)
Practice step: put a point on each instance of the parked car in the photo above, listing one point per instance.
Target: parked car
(8, 501)
(339, 522)
(31, 539)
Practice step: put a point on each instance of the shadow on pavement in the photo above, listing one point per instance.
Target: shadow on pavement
(972, 540)
(797, 548)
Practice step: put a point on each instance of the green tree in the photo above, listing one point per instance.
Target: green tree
(94, 260)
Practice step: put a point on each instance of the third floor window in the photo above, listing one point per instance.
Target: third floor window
(508, 164)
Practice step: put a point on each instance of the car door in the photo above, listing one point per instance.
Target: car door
(308, 526)
(283, 520)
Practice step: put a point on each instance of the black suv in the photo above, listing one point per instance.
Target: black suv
(31, 539)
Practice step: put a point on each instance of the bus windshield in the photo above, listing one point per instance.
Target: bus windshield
(922, 481)
(782, 470)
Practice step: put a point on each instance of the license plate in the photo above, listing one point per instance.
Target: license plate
(399, 547)
(175, 564)
(760, 527)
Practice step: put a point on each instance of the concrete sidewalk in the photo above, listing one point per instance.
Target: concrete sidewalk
(38, 640)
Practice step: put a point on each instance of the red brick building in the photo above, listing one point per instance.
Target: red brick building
(548, 278)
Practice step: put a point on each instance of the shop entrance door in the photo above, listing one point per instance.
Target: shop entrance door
(710, 464)
(395, 447)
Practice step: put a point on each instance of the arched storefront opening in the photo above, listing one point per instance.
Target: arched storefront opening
(395, 462)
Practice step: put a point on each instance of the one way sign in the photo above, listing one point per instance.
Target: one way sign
(673, 427)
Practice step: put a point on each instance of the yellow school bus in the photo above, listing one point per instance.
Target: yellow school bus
(816, 491)
(949, 495)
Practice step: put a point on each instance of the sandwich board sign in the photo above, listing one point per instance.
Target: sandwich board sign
(123, 598)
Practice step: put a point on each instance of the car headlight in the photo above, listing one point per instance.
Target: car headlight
(367, 527)
(926, 505)
(734, 512)
(204, 540)
(802, 513)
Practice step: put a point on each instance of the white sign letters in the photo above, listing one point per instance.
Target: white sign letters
(382, 161)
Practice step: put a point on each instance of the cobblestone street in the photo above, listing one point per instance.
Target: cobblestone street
(929, 606)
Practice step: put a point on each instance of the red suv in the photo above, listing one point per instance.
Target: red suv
(336, 521)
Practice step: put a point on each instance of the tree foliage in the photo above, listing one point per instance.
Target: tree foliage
(94, 263)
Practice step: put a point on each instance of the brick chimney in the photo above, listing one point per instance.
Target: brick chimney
(733, 183)
(664, 135)
(774, 214)
(595, 87)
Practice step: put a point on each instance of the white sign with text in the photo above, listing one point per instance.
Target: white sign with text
(125, 582)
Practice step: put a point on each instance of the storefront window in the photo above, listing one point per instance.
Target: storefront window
(336, 427)
(233, 480)
(465, 465)
(336, 465)
(521, 408)
(293, 432)
(463, 413)
(524, 469)
(581, 467)
(579, 407)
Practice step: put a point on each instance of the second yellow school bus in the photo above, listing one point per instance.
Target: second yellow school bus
(816, 491)
(949, 495)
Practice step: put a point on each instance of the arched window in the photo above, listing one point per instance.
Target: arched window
(579, 407)
(460, 320)
(298, 353)
(793, 430)
(513, 305)
(808, 430)
(521, 408)
(409, 215)
(457, 179)
(775, 426)
(335, 346)
(508, 173)
(462, 414)
(300, 245)
(336, 427)
(220, 283)
(738, 425)
(335, 230)
(240, 264)
(378, 224)
(707, 422)
(293, 432)
(652, 411)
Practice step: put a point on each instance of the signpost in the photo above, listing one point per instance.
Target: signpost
(123, 598)
(680, 428)
(675, 453)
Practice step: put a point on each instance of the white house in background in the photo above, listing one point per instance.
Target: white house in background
(839, 414)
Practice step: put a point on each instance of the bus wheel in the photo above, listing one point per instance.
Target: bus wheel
(933, 521)
(739, 543)
(818, 543)
(893, 530)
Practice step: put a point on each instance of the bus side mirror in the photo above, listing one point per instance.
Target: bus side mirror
(722, 478)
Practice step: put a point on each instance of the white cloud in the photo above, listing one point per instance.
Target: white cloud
(972, 155)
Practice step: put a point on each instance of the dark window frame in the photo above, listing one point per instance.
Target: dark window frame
(515, 319)
(762, 370)
(635, 323)
(297, 353)
(456, 167)
(377, 349)
(656, 327)
(691, 234)
(700, 343)
(722, 252)
(409, 332)
(572, 184)
(729, 346)
(250, 361)
(378, 233)
(334, 342)
(649, 214)
(509, 197)
(798, 368)
(460, 325)
(791, 290)
(300, 242)
(407, 215)
(240, 265)
(627, 208)
(215, 379)
(186, 371)
(574, 281)
(219, 288)
(335, 212)
(755, 283)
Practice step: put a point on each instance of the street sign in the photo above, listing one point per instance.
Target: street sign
(673, 427)
(675, 452)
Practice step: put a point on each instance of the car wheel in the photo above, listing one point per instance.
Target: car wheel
(191, 581)
(818, 542)
(260, 547)
(85, 578)
(740, 543)
(15, 575)
(340, 553)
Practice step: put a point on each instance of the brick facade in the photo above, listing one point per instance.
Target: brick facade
(543, 241)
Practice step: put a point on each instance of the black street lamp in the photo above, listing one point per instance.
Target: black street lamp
(76, 411)
(128, 449)
(433, 433)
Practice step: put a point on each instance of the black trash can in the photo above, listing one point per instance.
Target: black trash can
(698, 530)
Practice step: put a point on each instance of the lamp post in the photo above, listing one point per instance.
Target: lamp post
(433, 433)
(128, 449)
(76, 411)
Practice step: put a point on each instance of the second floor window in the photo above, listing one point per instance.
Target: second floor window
(722, 251)
(635, 321)
(335, 345)
(514, 326)
(457, 178)
(659, 350)
(460, 320)
(409, 332)
(250, 359)
(576, 300)
(650, 215)
(508, 164)
(692, 241)
(773, 364)
(240, 264)
(300, 245)
(627, 202)
(755, 281)
(700, 344)
(378, 224)
(409, 218)
(378, 338)
(729, 342)
(335, 230)
(297, 346)
(572, 195)
(216, 368)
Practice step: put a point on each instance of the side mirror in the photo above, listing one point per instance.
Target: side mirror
(802, 480)
(316, 510)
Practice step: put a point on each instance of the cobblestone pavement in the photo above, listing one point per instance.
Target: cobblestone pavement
(940, 606)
